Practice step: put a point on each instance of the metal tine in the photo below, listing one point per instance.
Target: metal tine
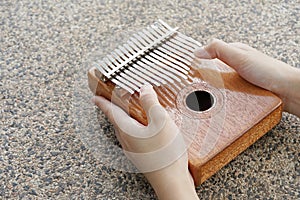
(100, 67)
(184, 39)
(112, 61)
(117, 56)
(150, 64)
(164, 74)
(148, 33)
(132, 82)
(136, 43)
(141, 40)
(176, 64)
(177, 40)
(169, 48)
(107, 64)
(126, 72)
(153, 30)
(182, 55)
(145, 73)
(120, 78)
(126, 82)
(175, 46)
(154, 69)
(169, 52)
(191, 40)
(131, 71)
(179, 43)
(152, 34)
(158, 29)
(190, 54)
(167, 59)
(127, 51)
(146, 38)
(133, 46)
(170, 66)
(165, 69)
(182, 50)
(163, 24)
(162, 61)
(180, 37)
(131, 42)
(172, 45)
(122, 85)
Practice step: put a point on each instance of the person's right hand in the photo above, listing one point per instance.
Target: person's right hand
(158, 150)
(259, 69)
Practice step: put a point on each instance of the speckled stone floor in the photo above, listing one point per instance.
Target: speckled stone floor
(44, 46)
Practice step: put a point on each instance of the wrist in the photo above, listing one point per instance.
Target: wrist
(173, 182)
(288, 88)
(291, 97)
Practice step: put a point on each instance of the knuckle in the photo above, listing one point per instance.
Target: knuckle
(215, 43)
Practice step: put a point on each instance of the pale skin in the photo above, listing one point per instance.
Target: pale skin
(174, 181)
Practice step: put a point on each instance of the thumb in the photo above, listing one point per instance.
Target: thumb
(148, 97)
(225, 52)
(156, 114)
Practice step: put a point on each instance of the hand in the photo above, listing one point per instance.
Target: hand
(157, 150)
(259, 69)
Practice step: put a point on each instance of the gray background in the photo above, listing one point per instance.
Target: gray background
(44, 46)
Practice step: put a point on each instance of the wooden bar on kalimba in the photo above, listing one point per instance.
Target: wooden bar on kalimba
(235, 115)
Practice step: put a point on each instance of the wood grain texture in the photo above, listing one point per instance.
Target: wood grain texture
(240, 115)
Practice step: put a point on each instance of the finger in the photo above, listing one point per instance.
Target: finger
(104, 105)
(202, 53)
(241, 46)
(113, 112)
(225, 52)
(219, 49)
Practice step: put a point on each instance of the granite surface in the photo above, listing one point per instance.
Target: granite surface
(45, 48)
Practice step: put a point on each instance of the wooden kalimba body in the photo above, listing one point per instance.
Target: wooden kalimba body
(218, 112)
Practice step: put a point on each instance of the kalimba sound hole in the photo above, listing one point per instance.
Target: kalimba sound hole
(199, 100)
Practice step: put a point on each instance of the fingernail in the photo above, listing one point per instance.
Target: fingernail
(146, 91)
(93, 100)
(146, 87)
(201, 53)
(211, 40)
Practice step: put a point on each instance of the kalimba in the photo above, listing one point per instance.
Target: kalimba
(218, 112)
